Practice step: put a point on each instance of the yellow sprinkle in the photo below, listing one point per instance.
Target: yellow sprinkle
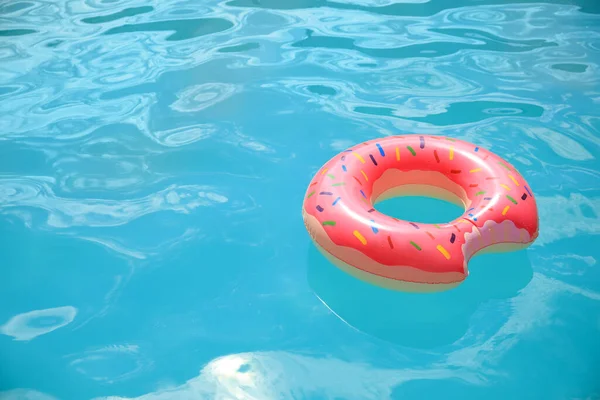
(365, 175)
(475, 170)
(514, 180)
(451, 152)
(465, 221)
(325, 170)
(397, 154)
(504, 186)
(505, 210)
(362, 160)
(443, 251)
(360, 237)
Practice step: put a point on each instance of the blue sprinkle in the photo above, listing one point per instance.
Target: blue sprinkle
(470, 209)
(526, 188)
(320, 208)
(344, 168)
(380, 149)
(375, 230)
(470, 215)
(363, 193)
(476, 149)
(336, 200)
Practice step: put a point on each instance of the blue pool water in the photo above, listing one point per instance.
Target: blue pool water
(154, 156)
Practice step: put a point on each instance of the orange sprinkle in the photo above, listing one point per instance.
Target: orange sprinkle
(360, 237)
(397, 154)
(365, 175)
(324, 170)
(443, 251)
(362, 160)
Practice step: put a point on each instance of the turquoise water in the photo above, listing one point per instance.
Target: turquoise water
(153, 162)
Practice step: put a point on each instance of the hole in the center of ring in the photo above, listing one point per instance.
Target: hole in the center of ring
(420, 203)
(426, 210)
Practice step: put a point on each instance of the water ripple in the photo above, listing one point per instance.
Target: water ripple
(176, 137)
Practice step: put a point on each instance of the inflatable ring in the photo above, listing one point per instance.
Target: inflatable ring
(500, 210)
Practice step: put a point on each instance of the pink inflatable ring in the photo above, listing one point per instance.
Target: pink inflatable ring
(500, 210)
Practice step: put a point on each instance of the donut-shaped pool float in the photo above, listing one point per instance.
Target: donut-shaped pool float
(338, 211)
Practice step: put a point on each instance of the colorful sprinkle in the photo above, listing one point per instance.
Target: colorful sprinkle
(375, 230)
(476, 149)
(326, 193)
(487, 198)
(524, 196)
(390, 242)
(526, 188)
(473, 185)
(411, 150)
(364, 175)
(373, 159)
(455, 171)
(450, 139)
(415, 225)
(452, 238)
(475, 170)
(505, 210)
(363, 193)
(330, 223)
(504, 186)
(344, 158)
(435, 154)
(511, 199)
(319, 208)
(489, 178)
(480, 193)
(313, 184)
(331, 176)
(416, 246)
(512, 178)
(451, 153)
(310, 194)
(336, 201)
(437, 226)
(371, 210)
(357, 180)
(443, 251)
(380, 149)
(421, 142)
(339, 184)
(362, 160)
(360, 237)
(344, 168)
(324, 170)
(397, 154)
(430, 235)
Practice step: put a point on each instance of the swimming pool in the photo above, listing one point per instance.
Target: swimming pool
(153, 161)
